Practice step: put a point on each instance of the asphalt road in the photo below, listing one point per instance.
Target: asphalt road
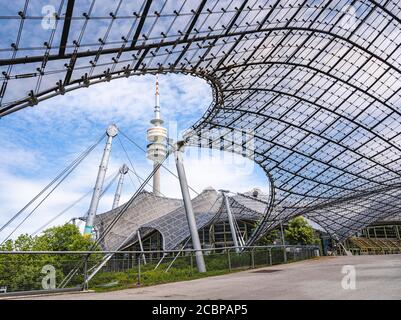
(376, 277)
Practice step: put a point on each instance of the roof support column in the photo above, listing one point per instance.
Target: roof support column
(138, 233)
(231, 221)
(123, 171)
(283, 241)
(200, 262)
(111, 133)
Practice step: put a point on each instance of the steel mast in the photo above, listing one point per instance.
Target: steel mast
(193, 229)
(111, 132)
(123, 171)
(230, 220)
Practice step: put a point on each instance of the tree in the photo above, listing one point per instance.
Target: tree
(19, 272)
(63, 238)
(300, 232)
(269, 238)
(24, 271)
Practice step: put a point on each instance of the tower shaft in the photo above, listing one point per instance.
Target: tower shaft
(156, 181)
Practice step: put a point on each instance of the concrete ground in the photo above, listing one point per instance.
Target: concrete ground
(376, 277)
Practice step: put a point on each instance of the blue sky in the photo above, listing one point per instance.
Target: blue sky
(39, 142)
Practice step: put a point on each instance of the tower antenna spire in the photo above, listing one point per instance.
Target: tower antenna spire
(157, 99)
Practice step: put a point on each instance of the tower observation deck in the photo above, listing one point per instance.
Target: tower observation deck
(157, 137)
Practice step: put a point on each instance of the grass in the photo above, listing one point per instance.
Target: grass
(151, 277)
(181, 271)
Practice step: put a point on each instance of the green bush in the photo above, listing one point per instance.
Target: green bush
(21, 272)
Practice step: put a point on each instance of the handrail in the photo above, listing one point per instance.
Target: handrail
(153, 251)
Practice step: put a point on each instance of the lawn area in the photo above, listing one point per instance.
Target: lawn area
(183, 269)
(122, 280)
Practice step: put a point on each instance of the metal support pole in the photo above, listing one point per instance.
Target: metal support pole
(111, 133)
(85, 286)
(128, 268)
(141, 246)
(200, 262)
(192, 262)
(397, 232)
(160, 261)
(231, 221)
(283, 241)
(177, 255)
(229, 259)
(117, 195)
(139, 271)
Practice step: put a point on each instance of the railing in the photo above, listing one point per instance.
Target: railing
(373, 246)
(44, 271)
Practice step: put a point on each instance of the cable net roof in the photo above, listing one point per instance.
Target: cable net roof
(173, 226)
(145, 207)
(167, 215)
(313, 84)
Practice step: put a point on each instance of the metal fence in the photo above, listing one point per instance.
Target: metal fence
(44, 271)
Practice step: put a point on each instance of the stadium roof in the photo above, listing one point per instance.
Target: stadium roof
(167, 215)
(315, 85)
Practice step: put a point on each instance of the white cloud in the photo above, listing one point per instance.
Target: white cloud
(128, 102)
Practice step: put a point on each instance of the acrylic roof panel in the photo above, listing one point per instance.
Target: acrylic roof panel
(315, 83)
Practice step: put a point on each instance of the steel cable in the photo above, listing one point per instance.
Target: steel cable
(75, 203)
(61, 174)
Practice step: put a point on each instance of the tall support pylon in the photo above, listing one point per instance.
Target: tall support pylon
(123, 171)
(230, 220)
(157, 137)
(283, 241)
(111, 132)
(200, 262)
(138, 233)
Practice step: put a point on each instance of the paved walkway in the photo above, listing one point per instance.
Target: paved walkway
(377, 277)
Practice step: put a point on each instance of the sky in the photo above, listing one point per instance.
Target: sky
(39, 142)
